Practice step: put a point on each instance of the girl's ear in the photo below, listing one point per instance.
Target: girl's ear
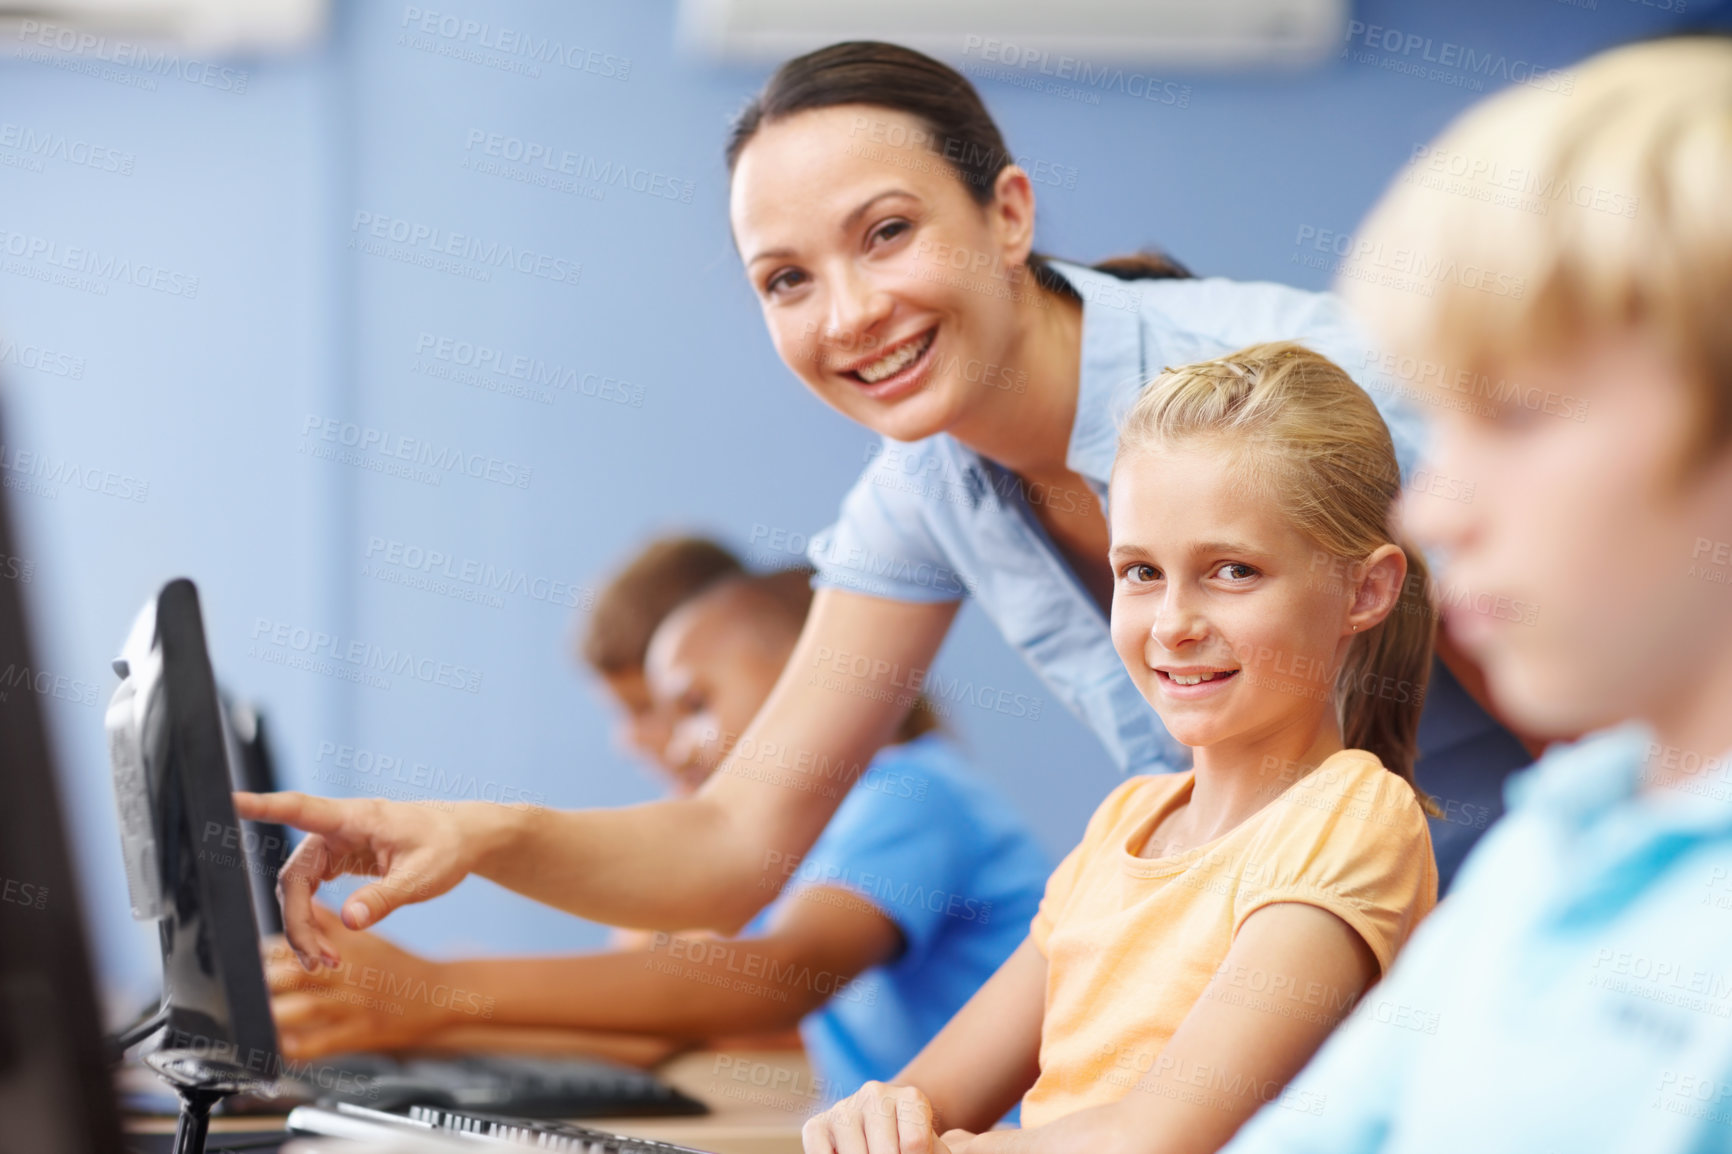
(1379, 587)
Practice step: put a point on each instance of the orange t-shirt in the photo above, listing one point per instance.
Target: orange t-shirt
(1131, 943)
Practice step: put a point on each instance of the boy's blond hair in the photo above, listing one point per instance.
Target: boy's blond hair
(1540, 217)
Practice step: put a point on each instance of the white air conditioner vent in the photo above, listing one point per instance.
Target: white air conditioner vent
(213, 27)
(1188, 34)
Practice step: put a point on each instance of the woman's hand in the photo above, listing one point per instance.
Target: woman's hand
(416, 851)
(876, 1119)
(381, 998)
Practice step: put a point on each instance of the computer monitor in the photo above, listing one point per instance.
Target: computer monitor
(187, 859)
(267, 843)
(176, 753)
(55, 1093)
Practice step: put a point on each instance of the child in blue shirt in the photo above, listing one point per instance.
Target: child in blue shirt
(1575, 991)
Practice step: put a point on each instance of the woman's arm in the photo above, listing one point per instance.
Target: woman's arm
(1236, 1049)
(969, 1076)
(708, 861)
(684, 989)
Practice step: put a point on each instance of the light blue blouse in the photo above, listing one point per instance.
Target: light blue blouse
(934, 521)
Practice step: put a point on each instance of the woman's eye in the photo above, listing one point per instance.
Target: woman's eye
(889, 230)
(782, 280)
(1138, 573)
(1237, 571)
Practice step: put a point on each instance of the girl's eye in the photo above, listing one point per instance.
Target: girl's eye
(1237, 571)
(1137, 572)
(782, 280)
(889, 230)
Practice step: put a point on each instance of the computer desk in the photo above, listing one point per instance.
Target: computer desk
(757, 1099)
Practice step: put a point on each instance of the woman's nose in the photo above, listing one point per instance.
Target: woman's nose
(857, 307)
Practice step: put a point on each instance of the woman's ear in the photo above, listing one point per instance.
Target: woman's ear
(1381, 576)
(1011, 214)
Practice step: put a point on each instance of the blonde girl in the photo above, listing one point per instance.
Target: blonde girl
(1213, 925)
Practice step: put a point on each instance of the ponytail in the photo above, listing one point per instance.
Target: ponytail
(1144, 264)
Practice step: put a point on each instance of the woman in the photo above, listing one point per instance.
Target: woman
(889, 238)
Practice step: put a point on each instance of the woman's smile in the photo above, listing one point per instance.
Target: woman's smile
(898, 370)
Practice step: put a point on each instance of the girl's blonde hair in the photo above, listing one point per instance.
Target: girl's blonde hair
(1302, 434)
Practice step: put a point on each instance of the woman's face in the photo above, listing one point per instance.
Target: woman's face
(885, 287)
(1230, 620)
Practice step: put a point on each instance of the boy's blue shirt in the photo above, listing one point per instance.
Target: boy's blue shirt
(1574, 993)
(946, 858)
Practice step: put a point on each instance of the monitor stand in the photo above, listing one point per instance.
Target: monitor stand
(201, 1082)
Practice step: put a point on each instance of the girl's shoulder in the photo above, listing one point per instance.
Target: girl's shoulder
(1352, 797)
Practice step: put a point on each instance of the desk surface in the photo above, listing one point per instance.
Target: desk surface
(757, 1102)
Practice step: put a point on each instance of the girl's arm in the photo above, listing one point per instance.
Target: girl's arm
(1293, 973)
(969, 1076)
(708, 861)
(676, 988)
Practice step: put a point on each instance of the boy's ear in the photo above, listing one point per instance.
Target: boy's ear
(1381, 576)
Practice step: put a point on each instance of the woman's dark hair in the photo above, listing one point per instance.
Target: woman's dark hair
(960, 129)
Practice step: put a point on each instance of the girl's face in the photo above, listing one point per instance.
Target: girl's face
(885, 287)
(1232, 623)
(1590, 582)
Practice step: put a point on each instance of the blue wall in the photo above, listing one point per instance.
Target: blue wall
(279, 185)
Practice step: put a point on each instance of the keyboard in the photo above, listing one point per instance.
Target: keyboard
(362, 1124)
(526, 1087)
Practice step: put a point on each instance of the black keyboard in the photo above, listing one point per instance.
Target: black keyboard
(527, 1087)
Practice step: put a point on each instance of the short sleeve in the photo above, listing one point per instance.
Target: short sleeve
(881, 543)
(1364, 1068)
(1062, 884)
(1059, 887)
(1355, 843)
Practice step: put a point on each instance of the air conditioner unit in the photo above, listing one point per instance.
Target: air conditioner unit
(214, 27)
(1186, 34)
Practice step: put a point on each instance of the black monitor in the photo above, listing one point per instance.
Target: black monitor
(187, 861)
(267, 843)
(55, 1094)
